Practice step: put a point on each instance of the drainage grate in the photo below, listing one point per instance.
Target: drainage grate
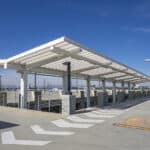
(140, 123)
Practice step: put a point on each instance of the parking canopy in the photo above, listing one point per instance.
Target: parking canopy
(49, 58)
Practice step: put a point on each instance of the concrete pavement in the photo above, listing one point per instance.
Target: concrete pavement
(101, 136)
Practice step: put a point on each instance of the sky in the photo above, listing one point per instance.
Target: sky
(119, 29)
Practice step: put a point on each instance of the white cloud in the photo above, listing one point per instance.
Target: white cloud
(142, 29)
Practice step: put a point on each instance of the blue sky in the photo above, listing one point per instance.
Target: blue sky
(119, 29)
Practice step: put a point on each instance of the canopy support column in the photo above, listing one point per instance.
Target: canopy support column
(102, 96)
(68, 101)
(65, 83)
(129, 86)
(88, 92)
(133, 86)
(114, 92)
(121, 95)
(67, 79)
(122, 86)
(23, 89)
(104, 85)
(35, 81)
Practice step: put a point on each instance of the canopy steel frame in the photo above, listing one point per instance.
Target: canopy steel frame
(40, 59)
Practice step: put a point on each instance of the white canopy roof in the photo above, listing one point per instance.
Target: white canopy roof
(49, 58)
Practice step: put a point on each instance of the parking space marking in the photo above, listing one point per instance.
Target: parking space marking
(38, 130)
(9, 138)
(65, 124)
(82, 120)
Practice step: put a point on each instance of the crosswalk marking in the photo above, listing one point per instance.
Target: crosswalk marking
(81, 120)
(38, 130)
(92, 115)
(65, 124)
(9, 138)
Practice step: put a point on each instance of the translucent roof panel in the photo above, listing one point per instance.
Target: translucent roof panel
(133, 79)
(35, 56)
(38, 58)
(139, 81)
(98, 71)
(125, 78)
(131, 71)
(113, 75)
(118, 66)
(93, 56)
(67, 46)
(75, 64)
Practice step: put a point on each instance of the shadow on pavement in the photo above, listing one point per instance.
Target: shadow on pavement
(127, 104)
(118, 106)
(4, 125)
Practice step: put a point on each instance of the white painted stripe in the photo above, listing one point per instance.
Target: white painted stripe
(64, 124)
(81, 120)
(102, 113)
(38, 130)
(9, 138)
(111, 112)
(108, 111)
(92, 115)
